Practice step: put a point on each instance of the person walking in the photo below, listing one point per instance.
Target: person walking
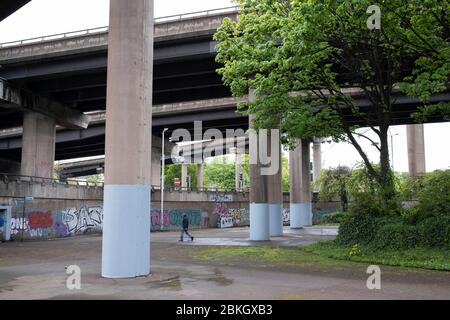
(185, 228)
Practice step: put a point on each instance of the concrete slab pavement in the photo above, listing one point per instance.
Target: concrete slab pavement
(36, 270)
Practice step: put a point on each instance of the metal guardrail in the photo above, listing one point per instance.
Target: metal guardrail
(199, 190)
(73, 34)
(6, 178)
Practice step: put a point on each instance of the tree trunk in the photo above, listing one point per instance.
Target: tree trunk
(386, 180)
(344, 201)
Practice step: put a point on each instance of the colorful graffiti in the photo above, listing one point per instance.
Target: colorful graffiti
(45, 223)
(176, 216)
(226, 222)
(221, 209)
(73, 221)
(40, 220)
(156, 218)
(240, 216)
(83, 219)
(19, 224)
(61, 230)
(172, 218)
(219, 197)
(286, 216)
(229, 217)
(2, 222)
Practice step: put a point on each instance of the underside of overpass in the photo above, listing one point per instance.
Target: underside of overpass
(69, 72)
(8, 7)
(56, 89)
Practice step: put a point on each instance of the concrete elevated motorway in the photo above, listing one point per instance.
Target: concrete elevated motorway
(68, 72)
(8, 7)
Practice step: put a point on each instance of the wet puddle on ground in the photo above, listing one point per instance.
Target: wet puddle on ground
(173, 283)
(177, 282)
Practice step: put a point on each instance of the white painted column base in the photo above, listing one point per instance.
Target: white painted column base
(301, 215)
(126, 231)
(259, 222)
(276, 220)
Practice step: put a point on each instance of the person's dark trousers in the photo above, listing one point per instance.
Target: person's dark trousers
(185, 231)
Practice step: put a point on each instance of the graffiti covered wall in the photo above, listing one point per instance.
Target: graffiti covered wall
(2, 222)
(38, 223)
(231, 217)
(47, 224)
(286, 216)
(172, 218)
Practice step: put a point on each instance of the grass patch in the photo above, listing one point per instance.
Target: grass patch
(267, 257)
(433, 259)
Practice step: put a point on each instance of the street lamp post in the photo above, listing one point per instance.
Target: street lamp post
(163, 166)
(392, 149)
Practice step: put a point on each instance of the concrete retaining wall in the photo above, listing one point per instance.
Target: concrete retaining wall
(62, 211)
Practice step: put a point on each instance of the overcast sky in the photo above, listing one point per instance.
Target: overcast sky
(45, 17)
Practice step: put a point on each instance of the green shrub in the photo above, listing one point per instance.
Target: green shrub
(435, 232)
(333, 218)
(360, 224)
(434, 196)
(356, 228)
(425, 225)
(396, 235)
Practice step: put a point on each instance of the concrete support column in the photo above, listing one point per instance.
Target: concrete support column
(156, 166)
(184, 176)
(301, 207)
(126, 225)
(199, 176)
(416, 149)
(275, 194)
(38, 145)
(259, 207)
(317, 159)
(238, 173)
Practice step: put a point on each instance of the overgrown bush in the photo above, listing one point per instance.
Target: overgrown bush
(360, 225)
(434, 196)
(333, 218)
(357, 228)
(393, 234)
(425, 225)
(435, 232)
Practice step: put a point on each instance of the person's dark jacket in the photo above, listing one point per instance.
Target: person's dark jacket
(185, 223)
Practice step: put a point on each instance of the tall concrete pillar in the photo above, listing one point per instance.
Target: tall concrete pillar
(184, 176)
(199, 176)
(259, 207)
(317, 159)
(156, 166)
(126, 225)
(238, 173)
(275, 195)
(38, 145)
(301, 207)
(416, 149)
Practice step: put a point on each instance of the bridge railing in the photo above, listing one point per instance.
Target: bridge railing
(196, 14)
(7, 178)
(159, 20)
(199, 190)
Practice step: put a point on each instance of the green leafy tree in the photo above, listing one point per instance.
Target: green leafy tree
(173, 171)
(309, 60)
(285, 172)
(333, 183)
(97, 178)
(219, 174)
